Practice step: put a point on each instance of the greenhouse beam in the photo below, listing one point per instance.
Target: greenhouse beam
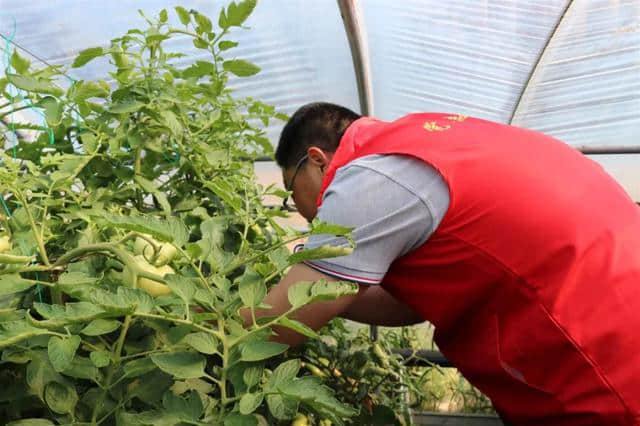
(354, 27)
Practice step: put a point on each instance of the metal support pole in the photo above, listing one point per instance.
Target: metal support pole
(354, 27)
(608, 149)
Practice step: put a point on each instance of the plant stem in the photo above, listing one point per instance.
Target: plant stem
(120, 405)
(112, 368)
(44, 213)
(196, 268)
(213, 51)
(253, 317)
(282, 243)
(263, 326)
(34, 227)
(178, 30)
(276, 273)
(247, 218)
(139, 354)
(35, 268)
(225, 365)
(56, 295)
(123, 334)
(124, 257)
(137, 166)
(91, 346)
(181, 321)
(44, 283)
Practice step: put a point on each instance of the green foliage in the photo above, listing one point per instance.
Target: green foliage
(89, 334)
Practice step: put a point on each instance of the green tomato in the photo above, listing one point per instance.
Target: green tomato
(256, 232)
(324, 361)
(314, 370)
(152, 287)
(380, 354)
(166, 253)
(300, 420)
(5, 244)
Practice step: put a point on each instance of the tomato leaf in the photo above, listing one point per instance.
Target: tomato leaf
(240, 67)
(298, 327)
(235, 419)
(31, 422)
(87, 55)
(62, 351)
(169, 230)
(226, 44)
(33, 84)
(170, 120)
(202, 342)
(321, 252)
(320, 227)
(14, 283)
(138, 367)
(187, 408)
(61, 398)
(100, 358)
(237, 13)
(184, 365)
(259, 350)
(19, 63)
(285, 372)
(249, 402)
(183, 15)
(126, 107)
(203, 23)
(98, 327)
(251, 288)
(183, 287)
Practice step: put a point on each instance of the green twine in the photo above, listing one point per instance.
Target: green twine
(27, 102)
(12, 128)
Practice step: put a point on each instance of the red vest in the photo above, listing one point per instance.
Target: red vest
(532, 278)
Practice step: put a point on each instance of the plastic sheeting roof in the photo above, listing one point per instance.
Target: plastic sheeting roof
(568, 68)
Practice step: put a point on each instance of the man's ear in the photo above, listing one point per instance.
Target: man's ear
(318, 157)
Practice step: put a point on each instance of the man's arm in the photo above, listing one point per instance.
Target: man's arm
(377, 306)
(385, 310)
(314, 315)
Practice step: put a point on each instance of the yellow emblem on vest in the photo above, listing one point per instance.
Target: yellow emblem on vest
(432, 126)
(457, 117)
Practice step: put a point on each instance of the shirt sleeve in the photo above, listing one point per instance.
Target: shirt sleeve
(394, 203)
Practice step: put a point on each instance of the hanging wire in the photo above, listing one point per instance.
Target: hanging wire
(7, 64)
(176, 153)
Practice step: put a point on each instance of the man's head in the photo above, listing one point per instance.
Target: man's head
(306, 147)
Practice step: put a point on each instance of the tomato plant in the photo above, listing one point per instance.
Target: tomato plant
(134, 231)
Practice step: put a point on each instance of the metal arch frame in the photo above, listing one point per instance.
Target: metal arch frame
(355, 29)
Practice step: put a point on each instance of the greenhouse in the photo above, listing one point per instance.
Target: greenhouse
(320, 212)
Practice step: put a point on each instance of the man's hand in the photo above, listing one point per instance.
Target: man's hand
(370, 305)
(314, 315)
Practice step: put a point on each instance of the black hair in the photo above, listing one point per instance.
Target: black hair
(318, 124)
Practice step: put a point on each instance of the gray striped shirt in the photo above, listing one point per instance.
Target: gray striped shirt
(393, 202)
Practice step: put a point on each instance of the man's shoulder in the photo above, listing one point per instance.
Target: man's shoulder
(400, 171)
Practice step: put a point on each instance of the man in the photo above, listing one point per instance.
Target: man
(523, 253)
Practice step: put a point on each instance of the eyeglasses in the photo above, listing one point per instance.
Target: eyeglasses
(285, 202)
